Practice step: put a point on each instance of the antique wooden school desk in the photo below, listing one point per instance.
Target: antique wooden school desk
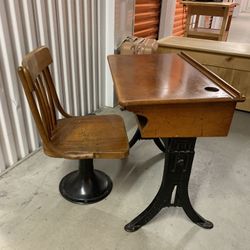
(175, 99)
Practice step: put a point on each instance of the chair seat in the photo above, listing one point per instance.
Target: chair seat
(89, 137)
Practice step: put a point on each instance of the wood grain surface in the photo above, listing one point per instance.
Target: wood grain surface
(160, 79)
(173, 95)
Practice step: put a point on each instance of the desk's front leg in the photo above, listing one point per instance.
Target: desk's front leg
(177, 169)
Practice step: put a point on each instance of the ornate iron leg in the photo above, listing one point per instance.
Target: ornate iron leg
(159, 144)
(177, 169)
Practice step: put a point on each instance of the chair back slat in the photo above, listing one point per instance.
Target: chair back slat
(42, 107)
(51, 95)
(52, 109)
(50, 115)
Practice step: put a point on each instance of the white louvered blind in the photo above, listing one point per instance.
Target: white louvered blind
(78, 33)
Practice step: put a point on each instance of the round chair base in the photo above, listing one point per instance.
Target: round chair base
(85, 189)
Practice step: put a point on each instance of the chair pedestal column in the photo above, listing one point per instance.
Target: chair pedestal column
(85, 185)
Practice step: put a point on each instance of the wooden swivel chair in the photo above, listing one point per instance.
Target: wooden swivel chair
(73, 137)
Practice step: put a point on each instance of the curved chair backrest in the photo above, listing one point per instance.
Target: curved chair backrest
(40, 91)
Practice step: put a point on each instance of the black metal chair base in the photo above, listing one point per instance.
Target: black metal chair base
(85, 185)
(177, 169)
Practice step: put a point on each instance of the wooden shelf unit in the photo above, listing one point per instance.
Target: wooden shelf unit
(212, 9)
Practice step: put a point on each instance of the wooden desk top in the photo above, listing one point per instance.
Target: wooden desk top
(209, 4)
(224, 48)
(166, 78)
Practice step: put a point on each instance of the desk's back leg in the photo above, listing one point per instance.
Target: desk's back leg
(136, 137)
(159, 144)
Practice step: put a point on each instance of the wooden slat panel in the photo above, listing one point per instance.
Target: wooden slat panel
(152, 37)
(180, 24)
(147, 18)
(179, 33)
(179, 11)
(179, 20)
(178, 29)
(146, 24)
(146, 7)
(179, 17)
(147, 32)
(146, 1)
(147, 15)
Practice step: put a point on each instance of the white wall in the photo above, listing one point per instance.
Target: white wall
(79, 34)
(244, 5)
(167, 18)
(124, 20)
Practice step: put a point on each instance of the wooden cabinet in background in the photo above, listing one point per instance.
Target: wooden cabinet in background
(230, 61)
(213, 9)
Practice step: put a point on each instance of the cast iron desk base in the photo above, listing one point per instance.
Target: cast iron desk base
(179, 154)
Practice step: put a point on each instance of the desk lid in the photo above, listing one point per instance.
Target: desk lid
(166, 78)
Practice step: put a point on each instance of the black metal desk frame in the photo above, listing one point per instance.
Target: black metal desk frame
(179, 154)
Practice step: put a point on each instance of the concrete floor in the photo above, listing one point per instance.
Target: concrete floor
(33, 215)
